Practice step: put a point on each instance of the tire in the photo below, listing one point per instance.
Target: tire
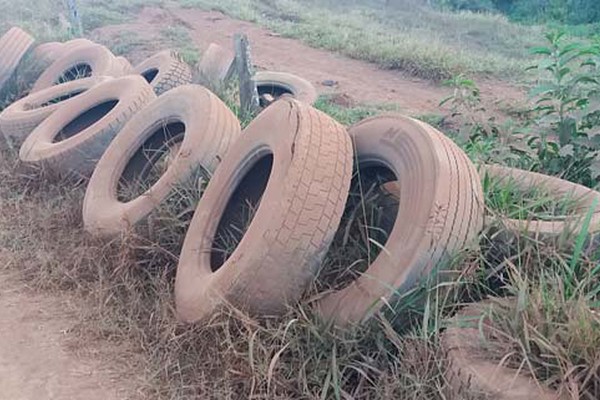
(13, 46)
(89, 125)
(216, 64)
(211, 128)
(19, 119)
(466, 343)
(272, 85)
(165, 71)
(440, 212)
(309, 157)
(97, 60)
(541, 229)
(125, 65)
(47, 53)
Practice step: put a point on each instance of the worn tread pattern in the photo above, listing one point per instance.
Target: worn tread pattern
(13, 46)
(292, 228)
(436, 223)
(172, 71)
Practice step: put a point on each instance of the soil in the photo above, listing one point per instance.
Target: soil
(360, 81)
(40, 357)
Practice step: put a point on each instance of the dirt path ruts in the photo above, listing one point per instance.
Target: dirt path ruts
(35, 363)
(363, 82)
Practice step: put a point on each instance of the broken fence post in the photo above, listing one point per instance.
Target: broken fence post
(75, 18)
(248, 93)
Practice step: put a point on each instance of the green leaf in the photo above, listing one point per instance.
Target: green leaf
(541, 50)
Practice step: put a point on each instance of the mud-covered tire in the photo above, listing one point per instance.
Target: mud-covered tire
(14, 44)
(210, 128)
(303, 160)
(216, 63)
(470, 369)
(19, 119)
(98, 58)
(88, 125)
(126, 65)
(276, 84)
(164, 71)
(584, 198)
(440, 212)
(47, 53)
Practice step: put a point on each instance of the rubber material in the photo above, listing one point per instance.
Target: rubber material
(584, 197)
(80, 152)
(98, 57)
(13, 46)
(277, 83)
(440, 212)
(126, 65)
(294, 223)
(19, 119)
(217, 63)
(469, 368)
(47, 53)
(210, 128)
(169, 70)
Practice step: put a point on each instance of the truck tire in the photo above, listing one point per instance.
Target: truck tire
(293, 166)
(203, 128)
(75, 136)
(440, 212)
(165, 71)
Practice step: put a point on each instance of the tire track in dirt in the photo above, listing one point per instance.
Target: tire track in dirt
(362, 81)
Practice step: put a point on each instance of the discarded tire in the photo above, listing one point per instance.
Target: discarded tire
(293, 164)
(13, 46)
(440, 212)
(189, 116)
(216, 63)
(19, 119)
(165, 71)
(466, 343)
(75, 136)
(47, 53)
(272, 85)
(80, 62)
(584, 198)
(125, 65)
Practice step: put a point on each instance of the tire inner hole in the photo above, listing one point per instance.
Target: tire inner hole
(85, 120)
(151, 160)
(58, 99)
(150, 74)
(367, 222)
(78, 71)
(240, 210)
(268, 93)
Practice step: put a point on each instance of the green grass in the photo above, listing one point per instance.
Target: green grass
(416, 39)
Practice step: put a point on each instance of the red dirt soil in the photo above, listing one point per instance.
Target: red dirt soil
(361, 81)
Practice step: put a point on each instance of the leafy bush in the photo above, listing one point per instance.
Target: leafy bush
(566, 113)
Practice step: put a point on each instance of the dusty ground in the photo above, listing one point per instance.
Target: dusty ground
(38, 360)
(363, 82)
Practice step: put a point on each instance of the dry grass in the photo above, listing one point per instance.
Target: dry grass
(125, 290)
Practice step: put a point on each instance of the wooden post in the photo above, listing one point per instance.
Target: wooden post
(75, 18)
(248, 93)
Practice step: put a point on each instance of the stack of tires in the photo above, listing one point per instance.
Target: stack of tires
(148, 128)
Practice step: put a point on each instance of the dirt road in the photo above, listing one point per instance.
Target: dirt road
(35, 360)
(363, 82)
